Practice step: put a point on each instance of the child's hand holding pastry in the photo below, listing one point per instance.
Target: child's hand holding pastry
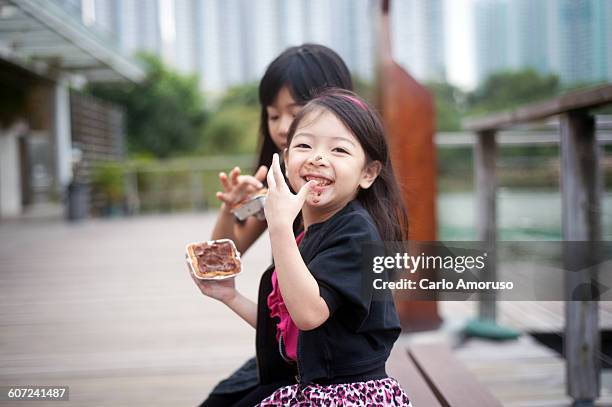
(222, 290)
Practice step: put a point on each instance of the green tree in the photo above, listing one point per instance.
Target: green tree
(164, 113)
(241, 95)
(233, 126)
(231, 130)
(507, 90)
(450, 105)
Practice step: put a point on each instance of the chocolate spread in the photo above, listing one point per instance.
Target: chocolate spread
(215, 257)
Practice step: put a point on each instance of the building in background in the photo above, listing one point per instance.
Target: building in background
(418, 37)
(584, 39)
(228, 42)
(571, 38)
(45, 52)
(132, 25)
(492, 43)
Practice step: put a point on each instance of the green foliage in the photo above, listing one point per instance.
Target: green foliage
(107, 179)
(241, 95)
(165, 112)
(231, 130)
(233, 126)
(450, 105)
(507, 90)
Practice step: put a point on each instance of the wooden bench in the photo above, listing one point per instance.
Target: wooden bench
(432, 377)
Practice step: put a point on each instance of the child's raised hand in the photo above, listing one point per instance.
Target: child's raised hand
(236, 187)
(282, 206)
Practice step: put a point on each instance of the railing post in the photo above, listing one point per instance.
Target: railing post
(132, 193)
(485, 155)
(580, 197)
(195, 190)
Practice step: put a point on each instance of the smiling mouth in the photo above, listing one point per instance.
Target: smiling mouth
(321, 182)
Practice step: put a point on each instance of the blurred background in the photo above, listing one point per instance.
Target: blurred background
(118, 115)
(106, 70)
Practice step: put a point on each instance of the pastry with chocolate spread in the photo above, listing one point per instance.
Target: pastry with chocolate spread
(214, 259)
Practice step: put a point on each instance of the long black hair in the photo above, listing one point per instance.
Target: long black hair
(305, 70)
(383, 199)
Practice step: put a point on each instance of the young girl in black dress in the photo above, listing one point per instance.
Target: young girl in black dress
(316, 317)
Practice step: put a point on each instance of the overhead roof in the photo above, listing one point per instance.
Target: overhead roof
(42, 36)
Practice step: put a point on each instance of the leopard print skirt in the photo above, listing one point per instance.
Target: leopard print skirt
(383, 392)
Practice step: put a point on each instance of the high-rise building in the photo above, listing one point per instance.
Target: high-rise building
(185, 36)
(133, 24)
(352, 35)
(492, 37)
(571, 38)
(529, 38)
(227, 42)
(418, 37)
(584, 40)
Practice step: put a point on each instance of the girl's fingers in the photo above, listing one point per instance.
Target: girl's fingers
(247, 180)
(278, 174)
(303, 192)
(222, 197)
(270, 177)
(260, 175)
(224, 182)
(234, 175)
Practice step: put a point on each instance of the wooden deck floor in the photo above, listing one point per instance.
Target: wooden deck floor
(521, 373)
(107, 308)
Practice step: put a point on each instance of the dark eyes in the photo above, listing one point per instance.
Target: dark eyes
(274, 117)
(336, 149)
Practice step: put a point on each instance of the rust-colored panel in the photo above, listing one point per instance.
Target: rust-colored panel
(408, 113)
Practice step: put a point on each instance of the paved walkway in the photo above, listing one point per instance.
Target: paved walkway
(107, 307)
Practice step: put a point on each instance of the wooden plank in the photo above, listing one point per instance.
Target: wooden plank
(589, 98)
(402, 369)
(453, 383)
(580, 203)
(485, 155)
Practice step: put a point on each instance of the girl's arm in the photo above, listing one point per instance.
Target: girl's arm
(225, 291)
(299, 288)
(245, 308)
(236, 187)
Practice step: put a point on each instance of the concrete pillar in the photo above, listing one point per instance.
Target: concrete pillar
(10, 173)
(63, 136)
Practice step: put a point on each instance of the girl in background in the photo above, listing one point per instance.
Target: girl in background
(290, 81)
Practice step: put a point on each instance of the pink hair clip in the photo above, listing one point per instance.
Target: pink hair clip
(356, 101)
